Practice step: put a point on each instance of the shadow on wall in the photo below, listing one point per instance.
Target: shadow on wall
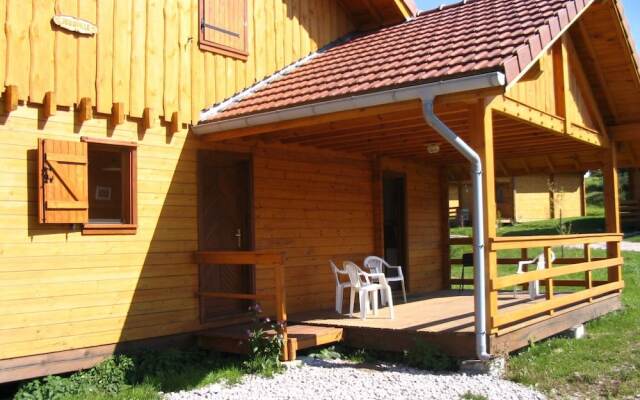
(163, 300)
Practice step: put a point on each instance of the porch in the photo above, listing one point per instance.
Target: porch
(574, 290)
(319, 179)
(445, 320)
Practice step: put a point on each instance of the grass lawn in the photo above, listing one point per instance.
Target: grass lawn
(577, 225)
(633, 238)
(606, 364)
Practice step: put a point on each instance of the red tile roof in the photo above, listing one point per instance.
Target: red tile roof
(471, 37)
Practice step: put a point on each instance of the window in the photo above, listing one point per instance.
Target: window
(223, 27)
(91, 182)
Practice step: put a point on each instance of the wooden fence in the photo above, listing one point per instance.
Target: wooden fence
(550, 277)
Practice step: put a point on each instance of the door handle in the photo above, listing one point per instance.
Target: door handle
(238, 236)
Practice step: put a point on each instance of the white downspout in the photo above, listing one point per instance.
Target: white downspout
(478, 221)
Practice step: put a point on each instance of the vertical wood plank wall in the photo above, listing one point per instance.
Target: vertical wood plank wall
(535, 90)
(60, 290)
(425, 241)
(532, 197)
(126, 61)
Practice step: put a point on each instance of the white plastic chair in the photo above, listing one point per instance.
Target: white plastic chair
(340, 285)
(534, 287)
(361, 283)
(377, 265)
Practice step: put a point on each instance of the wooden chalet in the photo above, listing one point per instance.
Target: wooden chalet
(524, 198)
(167, 162)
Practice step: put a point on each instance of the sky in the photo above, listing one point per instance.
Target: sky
(631, 8)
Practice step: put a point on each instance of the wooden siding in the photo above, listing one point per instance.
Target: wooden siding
(532, 200)
(424, 230)
(61, 290)
(534, 89)
(568, 198)
(146, 53)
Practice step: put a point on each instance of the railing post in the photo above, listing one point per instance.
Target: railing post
(281, 309)
(588, 276)
(524, 254)
(549, 281)
(612, 208)
(445, 231)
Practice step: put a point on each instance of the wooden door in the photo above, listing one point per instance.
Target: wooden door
(395, 221)
(225, 223)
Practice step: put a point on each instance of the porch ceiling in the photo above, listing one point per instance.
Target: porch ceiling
(403, 133)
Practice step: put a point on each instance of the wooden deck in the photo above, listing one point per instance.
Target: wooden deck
(445, 319)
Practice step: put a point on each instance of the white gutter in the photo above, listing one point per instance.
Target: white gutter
(427, 93)
(464, 84)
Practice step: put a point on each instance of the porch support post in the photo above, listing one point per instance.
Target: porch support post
(482, 141)
(445, 233)
(378, 217)
(612, 207)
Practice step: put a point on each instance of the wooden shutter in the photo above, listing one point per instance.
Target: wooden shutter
(223, 25)
(62, 182)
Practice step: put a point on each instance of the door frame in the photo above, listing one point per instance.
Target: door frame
(244, 156)
(406, 270)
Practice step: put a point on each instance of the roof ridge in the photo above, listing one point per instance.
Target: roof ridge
(544, 36)
(208, 113)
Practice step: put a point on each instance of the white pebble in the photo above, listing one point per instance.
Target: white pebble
(320, 379)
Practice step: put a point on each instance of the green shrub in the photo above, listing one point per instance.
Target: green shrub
(108, 377)
(425, 356)
(265, 346)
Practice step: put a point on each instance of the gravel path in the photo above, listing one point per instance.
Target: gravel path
(319, 379)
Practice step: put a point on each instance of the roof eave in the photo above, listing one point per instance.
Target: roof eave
(388, 96)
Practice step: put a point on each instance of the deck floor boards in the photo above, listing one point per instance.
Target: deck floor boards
(442, 311)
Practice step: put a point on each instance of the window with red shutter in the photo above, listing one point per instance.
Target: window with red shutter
(223, 27)
(62, 182)
(90, 182)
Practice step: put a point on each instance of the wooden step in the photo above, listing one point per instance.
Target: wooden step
(234, 339)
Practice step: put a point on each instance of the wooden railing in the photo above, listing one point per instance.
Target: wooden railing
(261, 259)
(548, 277)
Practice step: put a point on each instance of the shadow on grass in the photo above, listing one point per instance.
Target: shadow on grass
(578, 226)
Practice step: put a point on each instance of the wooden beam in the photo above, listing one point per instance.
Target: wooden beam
(444, 228)
(508, 317)
(85, 109)
(175, 124)
(49, 106)
(482, 142)
(586, 39)
(10, 98)
(550, 123)
(149, 118)
(444, 103)
(520, 242)
(378, 211)
(308, 121)
(559, 79)
(583, 84)
(625, 132)
(612, 208)
(117, 114)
